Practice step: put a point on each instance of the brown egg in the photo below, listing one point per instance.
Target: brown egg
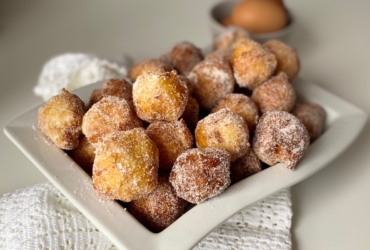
(259, 16)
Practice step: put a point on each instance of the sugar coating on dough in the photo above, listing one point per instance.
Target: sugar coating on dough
(212, 80)
(245, 166)
(312, 116)
(184, 56)
(280, 137)
(111, 114)
(287, 58)
(191, 114)
(223, 129)
(252, 64)
(113, 87)
(221, 54)
(148, 65)
(241, 105)
(229, 38)
(160, 208)
(160, 96)
(200, 174)
(126, 166)
(84, 155)
(172, 139)
(275, 94)
(60, 119)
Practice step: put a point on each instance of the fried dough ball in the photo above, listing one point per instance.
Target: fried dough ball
(84, 155)
(243, 106)
(231, 37)
(172, 139)
(223, 129)
(280, 137)
(153, 65)
(113, 87)
(160, 96)
(245, 166)
(184, 56)
(212, 80)
(275, 94)
(126, 166)
(252, 64)
(200, 174)
(160, 208)
(191, 114)
(60, 119)
(111, 114)
(287, 59)
(221, 54)
(313, 118)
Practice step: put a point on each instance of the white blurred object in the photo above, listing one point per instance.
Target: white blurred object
(74, 70)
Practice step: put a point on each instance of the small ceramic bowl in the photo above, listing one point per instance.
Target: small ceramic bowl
(223, 9)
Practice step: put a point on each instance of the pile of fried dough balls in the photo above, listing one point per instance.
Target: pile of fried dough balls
(185, 129)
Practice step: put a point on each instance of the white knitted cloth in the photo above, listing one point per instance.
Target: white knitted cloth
(40, 217)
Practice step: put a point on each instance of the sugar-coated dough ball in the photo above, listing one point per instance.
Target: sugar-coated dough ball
(126, 166)
(275, 94)
(252, 64)
(221, 54)
(229, 38)
(200, 174)
(280, 137)
(312, 116)
(84, 155)
(191, 114)
(243, 106)
(223, 129)
(111, 114)
(287, 59)
(60, 119)
(160, 96)
(187, 82)
(184, 56)
(212, 80)
(153, 65)
(245, 166)
(160, 208)
(113, 87)
(172, 139)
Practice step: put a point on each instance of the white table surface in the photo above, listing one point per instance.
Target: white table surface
(331, 209)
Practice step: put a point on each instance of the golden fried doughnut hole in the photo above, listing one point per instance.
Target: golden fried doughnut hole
(126, 166)
(243, 106)
(221, 54)
(152, 65)
(212, 81)
(111, 114)
(223, 129)
(229, 38)
(84, 155)
(191, 114)
(280, 137)
(313, 118)
(60, 119)
(245, 166)
(252, 64)
(187, 82)
(160, 96)
(113, 87)
(200, 174)
(287, 59)
(184, 56)
(172, 139)
(275, 94)
(160, 208)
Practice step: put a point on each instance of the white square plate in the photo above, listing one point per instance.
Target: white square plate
(344, 123)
